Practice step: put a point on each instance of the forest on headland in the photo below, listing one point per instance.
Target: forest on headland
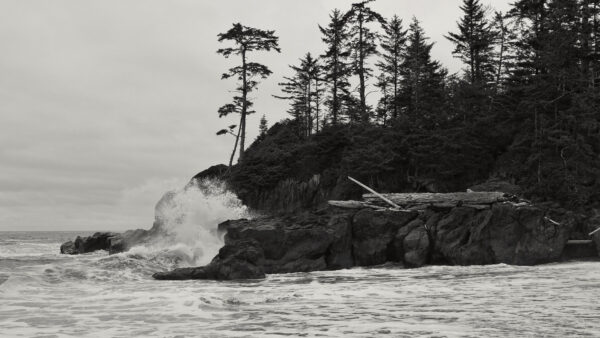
(375, 105)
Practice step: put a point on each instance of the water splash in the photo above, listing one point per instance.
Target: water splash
(187, 221)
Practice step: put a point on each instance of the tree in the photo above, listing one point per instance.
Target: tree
(473, 42)
(304, 91)
(364, 45)
(393, 45)
(335, 66)
(503, 56)
(263, 127)
(422, 79)
(245, 40)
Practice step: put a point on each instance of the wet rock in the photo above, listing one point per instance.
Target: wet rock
(416, 247)
(299, 243)
(579, 249)
(503, 234)
(373, 233)
(592, 224)
(109, 241)
(398, 241)
(239, 260)
(339, 254)
(98, 241)
(69, 248)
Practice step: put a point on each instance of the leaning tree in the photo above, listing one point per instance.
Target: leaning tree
(245, 40)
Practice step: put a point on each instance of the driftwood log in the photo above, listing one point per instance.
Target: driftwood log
(447, 199)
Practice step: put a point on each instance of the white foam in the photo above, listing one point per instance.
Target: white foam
(189, 217)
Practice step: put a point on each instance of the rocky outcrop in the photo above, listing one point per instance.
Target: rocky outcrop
(334, 239)
(98, 241)
(109, 241)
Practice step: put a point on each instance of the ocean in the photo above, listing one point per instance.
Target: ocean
(46, 294)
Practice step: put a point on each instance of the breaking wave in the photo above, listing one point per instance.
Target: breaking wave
(187, 221)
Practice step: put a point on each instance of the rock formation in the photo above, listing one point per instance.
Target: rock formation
(340, 238)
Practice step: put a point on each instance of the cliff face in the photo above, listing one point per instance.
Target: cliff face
(334, 239)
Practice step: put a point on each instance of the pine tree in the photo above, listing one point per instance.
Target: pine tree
(263, 127)
(364, 45)
(245, 40)
(393, 45)
(503, 56)
(335, 64)
(304, 91)
(422, 79)
(473, 42)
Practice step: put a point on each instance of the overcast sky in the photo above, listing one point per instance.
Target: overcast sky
(105, 105)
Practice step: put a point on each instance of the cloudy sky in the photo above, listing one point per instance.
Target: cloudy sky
(107, 104)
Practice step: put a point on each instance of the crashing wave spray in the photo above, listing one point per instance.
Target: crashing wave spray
(186, 222)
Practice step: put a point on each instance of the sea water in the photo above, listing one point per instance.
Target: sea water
(46, 294)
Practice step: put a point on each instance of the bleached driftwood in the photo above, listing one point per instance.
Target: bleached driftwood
(374, 193)
(474, 199)
(353, 205)
(363, 205)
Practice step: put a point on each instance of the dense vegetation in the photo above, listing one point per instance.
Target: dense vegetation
(525, 109)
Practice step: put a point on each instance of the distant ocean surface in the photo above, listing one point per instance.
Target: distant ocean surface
(45, 294)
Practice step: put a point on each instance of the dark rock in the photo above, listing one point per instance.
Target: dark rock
(109, 241)
(373, 233)
(580, 249)
(457, 238)
(214, 172)
(69, 248)
(239, 260)
(592, 224)
(339, 255)
(504, 234)
(398, 241)
(416, 247)
(300, 243)
(98, 241)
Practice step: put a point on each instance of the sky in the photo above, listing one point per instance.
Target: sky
(105, 105)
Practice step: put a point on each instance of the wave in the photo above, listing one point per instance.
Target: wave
(188, 221)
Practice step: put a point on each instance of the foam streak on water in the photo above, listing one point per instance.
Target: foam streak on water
(45, 294)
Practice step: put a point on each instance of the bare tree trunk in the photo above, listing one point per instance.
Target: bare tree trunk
(237, 139)
(244, 106)
(361, 74)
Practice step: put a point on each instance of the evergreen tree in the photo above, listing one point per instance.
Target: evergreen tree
(263, 127)
(387, 101)
(473, 42)
(393, 45)
(503, 56)
(304, 91)
(422, 79)
(364, 45)
(335, 64)
(245, 40)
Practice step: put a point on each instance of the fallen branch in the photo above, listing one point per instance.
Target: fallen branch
(375, 193)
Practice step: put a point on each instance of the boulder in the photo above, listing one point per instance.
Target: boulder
(503, 234)
(109, 241)
(592, 224)
(305, 242)
(239, 260)
(98, 241)
(373, 233)
(416, 247)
